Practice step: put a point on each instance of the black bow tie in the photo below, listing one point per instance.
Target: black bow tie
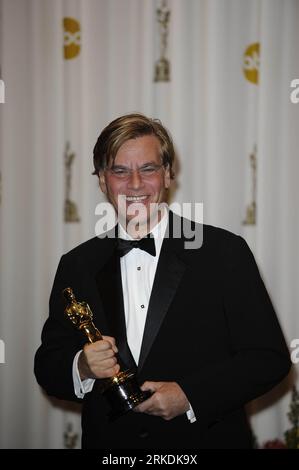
(146, 244)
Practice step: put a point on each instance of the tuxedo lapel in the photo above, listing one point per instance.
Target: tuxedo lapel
(169, 273)
(110, 288)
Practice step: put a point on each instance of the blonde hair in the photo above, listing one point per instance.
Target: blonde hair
(131, 126)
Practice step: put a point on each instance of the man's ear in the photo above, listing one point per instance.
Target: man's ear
(167, 179)
(102, 182)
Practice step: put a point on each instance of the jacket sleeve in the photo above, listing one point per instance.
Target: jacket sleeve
(60, 341)
(259, 355)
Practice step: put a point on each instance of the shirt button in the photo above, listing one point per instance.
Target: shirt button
(143, 433)
(142, 306)
(139, 268)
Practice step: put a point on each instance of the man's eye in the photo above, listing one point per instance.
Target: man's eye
(148, 169)
(120, 171)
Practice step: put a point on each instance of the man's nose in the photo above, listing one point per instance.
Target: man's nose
(135, 180)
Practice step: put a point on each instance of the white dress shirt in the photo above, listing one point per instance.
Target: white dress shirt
(138, 269)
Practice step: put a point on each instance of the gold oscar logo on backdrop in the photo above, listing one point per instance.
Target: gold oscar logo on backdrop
(70, 208)
(251, 62)
(72, 38)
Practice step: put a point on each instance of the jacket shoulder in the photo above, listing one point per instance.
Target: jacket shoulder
(226, 246)
(96, 244)
(90, 254)
(220, 235)
(84, 247)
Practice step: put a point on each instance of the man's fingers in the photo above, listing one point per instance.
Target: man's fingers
(107, 354)
(101, 345)
(168, 401)
(150, 405)
(151, 386)
(145, 406)
(111, 340)
(108, 363)
(108, 372)
(98, 359)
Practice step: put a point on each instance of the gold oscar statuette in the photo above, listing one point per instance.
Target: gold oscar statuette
(122, 390)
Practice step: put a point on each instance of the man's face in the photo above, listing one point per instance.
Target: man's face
(137, 174)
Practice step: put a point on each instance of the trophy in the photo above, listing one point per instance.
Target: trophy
(251, 208)
(70, 208)
(162, 66)
(122, 390)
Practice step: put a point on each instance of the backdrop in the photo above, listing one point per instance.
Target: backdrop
(69, 67)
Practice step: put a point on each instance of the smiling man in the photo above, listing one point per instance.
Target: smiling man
(196, 325)
(135, 170)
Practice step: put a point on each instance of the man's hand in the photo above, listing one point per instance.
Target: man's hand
(168, 400)
(97, 360)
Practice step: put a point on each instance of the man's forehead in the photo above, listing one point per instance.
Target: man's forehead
(143, 149)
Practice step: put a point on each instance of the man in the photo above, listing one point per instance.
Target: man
(196, 325)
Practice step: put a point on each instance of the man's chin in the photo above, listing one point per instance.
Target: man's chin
(133, 220)
(138, 226)
(138, 215)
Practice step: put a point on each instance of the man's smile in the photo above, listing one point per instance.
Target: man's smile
(136, 198)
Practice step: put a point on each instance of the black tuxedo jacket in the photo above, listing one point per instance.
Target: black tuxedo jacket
(210, 327)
